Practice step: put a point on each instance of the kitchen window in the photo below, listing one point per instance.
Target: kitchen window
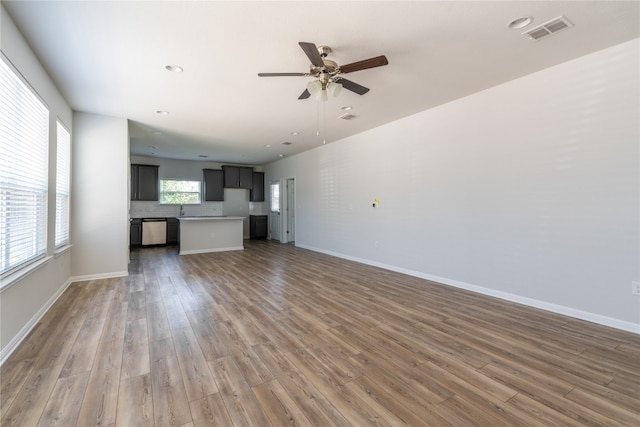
(24, 157)
(177, 192)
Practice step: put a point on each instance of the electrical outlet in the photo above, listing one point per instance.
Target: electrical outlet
(635, 288)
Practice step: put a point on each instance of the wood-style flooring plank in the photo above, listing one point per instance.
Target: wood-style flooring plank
(101, 397)
(63, 406)
(170, 403)
(29, 403)
(278, 405)
(210, 412)
(196, 375)
(241, 404)
(135, 353)
(135, 402)
(14, 375)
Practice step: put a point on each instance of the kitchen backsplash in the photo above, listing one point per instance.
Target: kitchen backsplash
(156, 210)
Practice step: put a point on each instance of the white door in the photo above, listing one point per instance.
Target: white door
(291, 210)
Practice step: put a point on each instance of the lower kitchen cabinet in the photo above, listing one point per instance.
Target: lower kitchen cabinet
(173, 231)
(135, 232)
(258, 226)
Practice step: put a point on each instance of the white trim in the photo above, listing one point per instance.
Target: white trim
(26, 329)
(23, 271)
(99, 276)
(555, 308)
(204, 251)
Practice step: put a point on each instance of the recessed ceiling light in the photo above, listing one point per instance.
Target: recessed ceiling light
(348, 116)
(294, 133)
(521, 22)
(162, 112)
(287, 143)
(281, 155)
(153, 147)
(267, 145)
(174, 68)
(202, 156)
(347, 108)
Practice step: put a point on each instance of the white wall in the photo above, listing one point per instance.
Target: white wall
(24, 299)
(528, 191)
(100, 202)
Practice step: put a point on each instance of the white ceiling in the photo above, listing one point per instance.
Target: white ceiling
(108, 58)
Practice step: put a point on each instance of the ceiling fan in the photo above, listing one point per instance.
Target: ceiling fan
(328, 72)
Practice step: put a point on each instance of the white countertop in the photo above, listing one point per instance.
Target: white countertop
(209, 218)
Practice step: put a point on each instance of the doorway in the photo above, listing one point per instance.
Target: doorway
(282, 216)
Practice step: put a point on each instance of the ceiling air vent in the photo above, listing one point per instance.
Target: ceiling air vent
(550, 27)
(347, 116)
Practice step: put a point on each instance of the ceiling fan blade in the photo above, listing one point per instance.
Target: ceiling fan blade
(312, 53)
(280, 74)
(378, 61)
(353, 87)
(304, 95)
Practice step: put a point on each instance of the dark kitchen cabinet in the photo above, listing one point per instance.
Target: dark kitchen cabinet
(238, 177)
(135, 232)
(257, 190)
(144, 183)
(258, 226)
(173, 231)
(213, 185)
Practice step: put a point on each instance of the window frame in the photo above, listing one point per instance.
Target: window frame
(196, 201)
(275, 200)
(63, 186)
(26, 190)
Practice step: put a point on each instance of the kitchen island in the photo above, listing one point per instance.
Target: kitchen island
(202, 234)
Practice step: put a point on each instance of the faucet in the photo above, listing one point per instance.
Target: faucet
(181, 210)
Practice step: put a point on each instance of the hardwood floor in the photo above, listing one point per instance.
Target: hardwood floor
(275, 335)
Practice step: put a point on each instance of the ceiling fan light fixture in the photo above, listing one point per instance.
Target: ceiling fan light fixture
(314, 87)
(334, 88)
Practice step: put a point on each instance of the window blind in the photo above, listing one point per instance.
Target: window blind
(24, 150)
(63, 174)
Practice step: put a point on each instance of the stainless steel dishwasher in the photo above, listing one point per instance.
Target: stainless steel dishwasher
(154, 231)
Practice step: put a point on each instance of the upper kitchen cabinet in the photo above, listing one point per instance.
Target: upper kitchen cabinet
(213, 185)
(144, 183)
(238, 177)
(257, 190)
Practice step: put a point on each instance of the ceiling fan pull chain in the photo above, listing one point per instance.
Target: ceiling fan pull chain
(318, 118)
(324, 123)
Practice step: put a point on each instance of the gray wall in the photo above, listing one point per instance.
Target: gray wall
(528, 191)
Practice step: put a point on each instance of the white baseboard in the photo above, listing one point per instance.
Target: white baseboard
(554, 308)
(22, 334)
(204, 251)
(99, 276)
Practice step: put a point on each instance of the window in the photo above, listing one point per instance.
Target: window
(275, 197)
(24, 153)
(175, 192)
(63, 174)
